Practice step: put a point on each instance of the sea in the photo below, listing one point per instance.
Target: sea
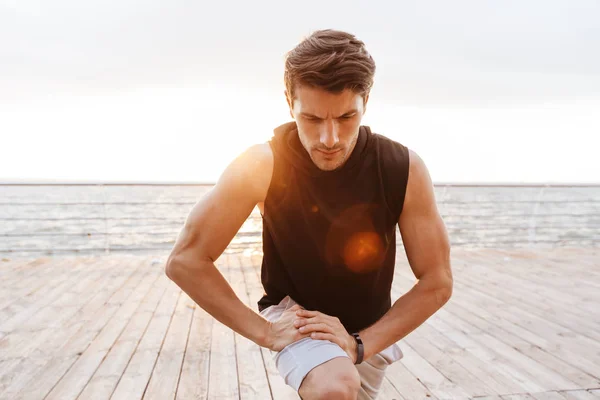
(76, 219)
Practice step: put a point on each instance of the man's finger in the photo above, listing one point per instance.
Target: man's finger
(325, 336)
(308, 313)
(305, 321)
(320, 327)
(299, 335)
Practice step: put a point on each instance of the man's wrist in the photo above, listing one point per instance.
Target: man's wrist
(369, 343)
(359, 348)
(265, 338)
(353, 349)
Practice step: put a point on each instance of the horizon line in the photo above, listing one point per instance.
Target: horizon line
(208, 183)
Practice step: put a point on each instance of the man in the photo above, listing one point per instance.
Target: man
(331, 193)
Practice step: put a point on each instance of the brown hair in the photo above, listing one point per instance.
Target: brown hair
(331, 60)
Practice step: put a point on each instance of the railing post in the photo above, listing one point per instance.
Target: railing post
(441, 203)
(106, 238)
(532, 221)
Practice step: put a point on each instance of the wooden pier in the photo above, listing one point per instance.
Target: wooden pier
(522, 324)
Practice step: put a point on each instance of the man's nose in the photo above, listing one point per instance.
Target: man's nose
(329, 134)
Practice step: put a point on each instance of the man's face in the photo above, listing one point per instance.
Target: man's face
(328, 124)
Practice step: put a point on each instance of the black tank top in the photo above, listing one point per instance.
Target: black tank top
(329, 237)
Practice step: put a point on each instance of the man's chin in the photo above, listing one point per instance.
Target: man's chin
(329, 165)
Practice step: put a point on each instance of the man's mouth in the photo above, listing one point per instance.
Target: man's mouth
(329, 153)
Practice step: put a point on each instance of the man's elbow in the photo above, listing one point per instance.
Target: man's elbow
(176, 269)
(443, 293)
(179, 268)
(444, 288)
(171, 268)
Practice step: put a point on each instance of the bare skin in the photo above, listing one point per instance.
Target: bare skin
(328, 128)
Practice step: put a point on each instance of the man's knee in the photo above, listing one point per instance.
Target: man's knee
(337, 379)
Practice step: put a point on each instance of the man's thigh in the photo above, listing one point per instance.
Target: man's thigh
(298, 359)
(311, 363)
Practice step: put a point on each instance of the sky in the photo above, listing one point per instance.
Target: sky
(129, 91)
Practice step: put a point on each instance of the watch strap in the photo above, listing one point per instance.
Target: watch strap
(360, 349)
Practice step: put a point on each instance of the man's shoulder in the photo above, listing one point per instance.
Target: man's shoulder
(393, 159)
(260, 153)
(392, 153)
(386, 141)
(256, 166)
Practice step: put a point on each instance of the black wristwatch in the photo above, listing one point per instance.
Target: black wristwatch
(359, 347)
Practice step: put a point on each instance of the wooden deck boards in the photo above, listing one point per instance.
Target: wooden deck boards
(522, 324)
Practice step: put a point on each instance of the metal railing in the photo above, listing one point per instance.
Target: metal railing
(104, 218)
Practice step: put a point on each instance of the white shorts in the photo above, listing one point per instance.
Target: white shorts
(295, 361)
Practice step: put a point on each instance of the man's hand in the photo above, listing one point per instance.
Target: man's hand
(326, 327)
(283, 332)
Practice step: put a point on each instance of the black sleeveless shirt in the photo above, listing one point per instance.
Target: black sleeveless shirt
(329, 237)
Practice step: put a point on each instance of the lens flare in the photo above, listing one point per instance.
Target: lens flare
(363, 251)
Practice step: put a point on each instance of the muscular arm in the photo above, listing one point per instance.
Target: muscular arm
(208, 230)
(428, 251)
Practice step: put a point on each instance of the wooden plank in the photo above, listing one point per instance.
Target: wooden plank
(445, 364)
(6, 378)
(42, 342)
(388, 391)
(193, 383)
(279, 389)
(251, 368)
(24, 312)
(23, 280)
(75, 380)
(108, 374)
(14, 272)
(54, 370)
(493, 375)
(49, 316)
(546, 378)
(575, 350)
(537, 372)
(537, 282)
(545, 268)
(56, 313)
(165, 377)
(578, 395)
(527, 335)
(223, 379)
(496, 318)
(498, 380)
(519, 339)
(70, 341)
(523, 396)
(487, 355)
(437, 383)
(548, 396)
(406, 383)
(135, 379)
(558, 306)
